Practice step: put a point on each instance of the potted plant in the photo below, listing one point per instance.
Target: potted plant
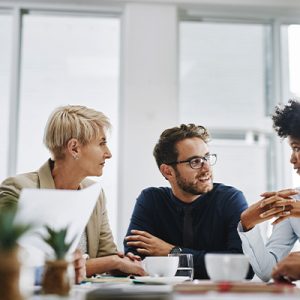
(9, 262)
(56, 279)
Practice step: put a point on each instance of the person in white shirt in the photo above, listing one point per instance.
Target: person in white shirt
(284, 205)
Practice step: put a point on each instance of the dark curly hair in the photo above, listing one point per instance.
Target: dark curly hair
(165, 150)
(286, 119)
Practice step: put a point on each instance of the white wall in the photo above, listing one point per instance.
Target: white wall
(148, 97)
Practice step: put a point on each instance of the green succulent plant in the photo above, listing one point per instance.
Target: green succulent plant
(9, 231)
(57, 240)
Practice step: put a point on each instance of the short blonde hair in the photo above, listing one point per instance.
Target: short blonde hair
(73, 121)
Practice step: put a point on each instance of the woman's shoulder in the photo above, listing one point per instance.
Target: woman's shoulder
(25, 180)
(11, 187)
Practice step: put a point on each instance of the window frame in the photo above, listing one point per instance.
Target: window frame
(279, 173)
(18, 11)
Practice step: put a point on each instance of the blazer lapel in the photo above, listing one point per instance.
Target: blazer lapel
(92, 227)
(92, 234)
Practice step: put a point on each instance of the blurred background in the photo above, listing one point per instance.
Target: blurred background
(150, 65)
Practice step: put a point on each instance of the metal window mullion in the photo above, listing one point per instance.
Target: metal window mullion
(14, 92)
(276, 30)
(278, 160)
(269, 69)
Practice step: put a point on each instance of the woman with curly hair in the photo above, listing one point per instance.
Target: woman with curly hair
(282, 205)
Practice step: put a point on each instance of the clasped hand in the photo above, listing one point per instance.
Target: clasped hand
(279, 204)
(148, 244)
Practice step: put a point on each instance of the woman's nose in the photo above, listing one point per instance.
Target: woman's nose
(293, 158)
(108, 153)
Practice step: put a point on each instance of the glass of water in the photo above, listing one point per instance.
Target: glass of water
(185, 265)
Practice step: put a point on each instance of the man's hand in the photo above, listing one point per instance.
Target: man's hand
(288, 269)
(147, 244)
(274, 204)
(79, 266)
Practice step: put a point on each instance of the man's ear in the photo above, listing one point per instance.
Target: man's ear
(166, 170)
(73, 148)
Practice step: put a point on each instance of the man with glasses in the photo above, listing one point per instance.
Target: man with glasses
(195, 215)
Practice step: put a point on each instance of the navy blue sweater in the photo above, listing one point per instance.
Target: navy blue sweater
(215, 218)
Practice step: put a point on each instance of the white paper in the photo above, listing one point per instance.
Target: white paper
(57, 209)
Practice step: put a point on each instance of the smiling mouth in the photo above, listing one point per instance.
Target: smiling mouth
(203, 179)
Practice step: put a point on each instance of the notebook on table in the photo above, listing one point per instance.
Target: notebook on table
(57, 209)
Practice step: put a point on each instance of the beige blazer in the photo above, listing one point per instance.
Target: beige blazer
(99, 236)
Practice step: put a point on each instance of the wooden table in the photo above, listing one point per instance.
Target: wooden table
(157, 292)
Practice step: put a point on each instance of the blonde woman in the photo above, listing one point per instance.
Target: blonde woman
(76, 138)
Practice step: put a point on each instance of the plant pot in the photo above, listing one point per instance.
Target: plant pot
(56, 279)
(10, 275)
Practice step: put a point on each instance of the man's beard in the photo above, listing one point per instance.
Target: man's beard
(193, 188)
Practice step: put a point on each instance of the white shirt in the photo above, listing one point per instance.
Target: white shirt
(263, 258)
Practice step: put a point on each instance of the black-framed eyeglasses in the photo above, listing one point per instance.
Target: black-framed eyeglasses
(198, 162)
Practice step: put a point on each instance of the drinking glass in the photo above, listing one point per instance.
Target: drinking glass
(185, 265)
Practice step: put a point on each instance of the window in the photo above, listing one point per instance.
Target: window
(294, 59)
(291, 48)
(5, 59)
(224, 85)
(68, 60)
(223, 73)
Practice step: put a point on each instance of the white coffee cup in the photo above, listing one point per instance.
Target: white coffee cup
(161, 266)
(226, 267)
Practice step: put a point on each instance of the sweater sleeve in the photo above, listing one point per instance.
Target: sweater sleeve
(141, 219)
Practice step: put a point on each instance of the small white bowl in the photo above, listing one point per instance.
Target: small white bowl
(226, 267)
(161, 266)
